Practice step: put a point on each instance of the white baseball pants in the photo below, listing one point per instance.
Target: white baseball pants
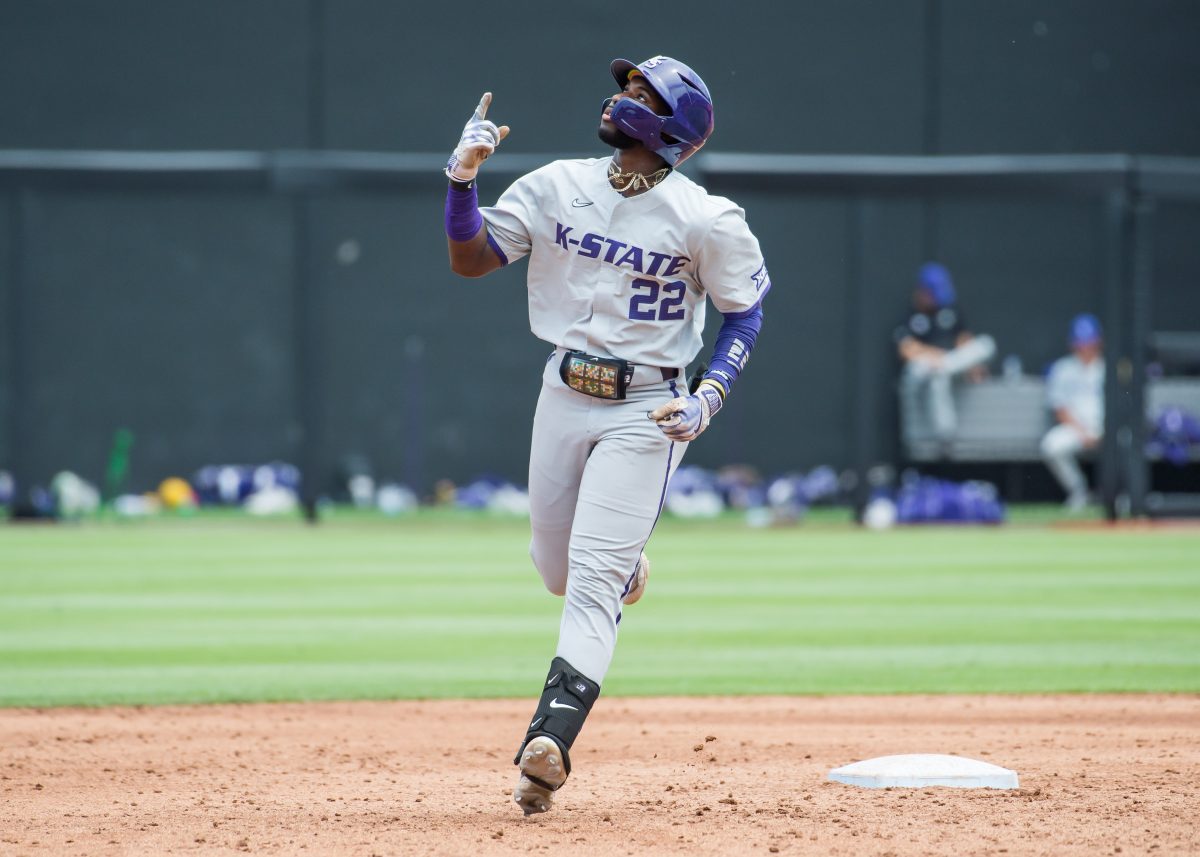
(935, 383)
(598, 474)
(1061, 447)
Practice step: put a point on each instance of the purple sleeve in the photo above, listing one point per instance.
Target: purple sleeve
(735, 341)
(463, 220)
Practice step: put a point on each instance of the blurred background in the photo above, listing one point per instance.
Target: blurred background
(221, 240)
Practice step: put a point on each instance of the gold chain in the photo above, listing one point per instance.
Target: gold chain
(623, 182)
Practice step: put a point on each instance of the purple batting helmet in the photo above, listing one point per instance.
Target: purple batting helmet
(675, 137)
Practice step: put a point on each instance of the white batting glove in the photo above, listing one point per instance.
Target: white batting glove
(480, 137)
(686, 418)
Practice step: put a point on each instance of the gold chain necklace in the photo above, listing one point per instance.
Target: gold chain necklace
(623, 182)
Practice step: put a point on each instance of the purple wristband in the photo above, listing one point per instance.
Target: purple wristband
(463, 220)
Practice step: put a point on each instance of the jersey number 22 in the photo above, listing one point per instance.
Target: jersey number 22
(646, 307)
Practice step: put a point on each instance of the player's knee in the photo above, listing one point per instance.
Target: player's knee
(593, 589)
(1053, 445)
(554, 574)
(1047, 445)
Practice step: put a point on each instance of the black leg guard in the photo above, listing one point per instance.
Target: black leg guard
(567, 697)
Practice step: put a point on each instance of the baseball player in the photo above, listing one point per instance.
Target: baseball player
(1075, 394)
(623, 250)
(937, 348)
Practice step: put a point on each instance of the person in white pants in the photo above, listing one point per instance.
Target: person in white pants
(937, 348)
(1075, 393)
(624, 255)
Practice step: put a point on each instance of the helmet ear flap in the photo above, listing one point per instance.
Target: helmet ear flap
(642, 124)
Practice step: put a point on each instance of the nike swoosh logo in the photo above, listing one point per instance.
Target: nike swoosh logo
(534, 724)
(579, 203)
(552, 680)
(554, 703)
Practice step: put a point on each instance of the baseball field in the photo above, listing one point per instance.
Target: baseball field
(220, 685)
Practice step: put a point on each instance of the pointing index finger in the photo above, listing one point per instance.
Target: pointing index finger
(484, 103)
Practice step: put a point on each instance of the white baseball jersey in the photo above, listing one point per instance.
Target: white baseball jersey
(622, 276)
(1079, 388)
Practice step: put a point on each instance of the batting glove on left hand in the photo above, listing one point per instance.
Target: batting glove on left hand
(480, 137)
(686, 418)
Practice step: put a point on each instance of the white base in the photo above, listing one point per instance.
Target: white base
(918, 770)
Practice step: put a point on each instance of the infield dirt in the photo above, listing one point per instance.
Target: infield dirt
(1099, 775)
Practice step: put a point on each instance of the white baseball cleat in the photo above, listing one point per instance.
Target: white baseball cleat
(542, 772)
(637, 588)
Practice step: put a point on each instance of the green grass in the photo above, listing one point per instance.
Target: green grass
(447, 605)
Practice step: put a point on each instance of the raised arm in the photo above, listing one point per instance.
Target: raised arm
(471, 254)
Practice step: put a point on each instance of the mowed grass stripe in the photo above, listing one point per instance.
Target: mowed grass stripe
(450, 606)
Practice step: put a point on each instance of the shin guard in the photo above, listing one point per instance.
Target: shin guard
(567, 697)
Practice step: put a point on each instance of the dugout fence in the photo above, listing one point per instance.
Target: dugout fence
(1128, 189)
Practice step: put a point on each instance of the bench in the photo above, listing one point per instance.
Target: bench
(1001, 420)
(998, 420)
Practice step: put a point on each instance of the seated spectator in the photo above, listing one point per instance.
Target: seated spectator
(937, 348)
(1075, 393)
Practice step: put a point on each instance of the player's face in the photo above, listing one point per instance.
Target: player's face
(1087, 351)
(922, 300)
(640, 90)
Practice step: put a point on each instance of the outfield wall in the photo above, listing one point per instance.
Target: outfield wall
(175, 313)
